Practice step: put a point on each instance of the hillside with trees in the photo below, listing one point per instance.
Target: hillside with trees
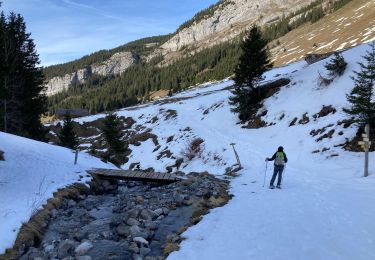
(103, 93)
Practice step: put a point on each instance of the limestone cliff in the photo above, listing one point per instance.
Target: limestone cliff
(230, 18)
(115, 65)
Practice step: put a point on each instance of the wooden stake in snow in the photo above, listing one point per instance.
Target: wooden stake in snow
(235, 153)
(366, 144)
(76, 157)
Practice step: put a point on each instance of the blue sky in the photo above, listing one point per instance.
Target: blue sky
(64, 30)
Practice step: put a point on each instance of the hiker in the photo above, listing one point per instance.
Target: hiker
(280, 160)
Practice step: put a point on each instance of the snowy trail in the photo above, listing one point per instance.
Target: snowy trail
(308, 219)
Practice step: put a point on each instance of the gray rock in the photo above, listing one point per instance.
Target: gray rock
(146, 214)
(133, 247)
(93, 236)
(137, 257)
(133, 213)
(108, 249)
(123, 230)
(134, 229)
(158, 212)
(132, 222)
(83, 248)
(165, 211)
(151, 225)
(84, 257)
(144, 251)
(65, 248)
(107, 235)
(49, 248)
(140, 240)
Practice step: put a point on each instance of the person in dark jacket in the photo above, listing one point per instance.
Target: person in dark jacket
(280, 160)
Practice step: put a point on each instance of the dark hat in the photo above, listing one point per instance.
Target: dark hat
(280, 149)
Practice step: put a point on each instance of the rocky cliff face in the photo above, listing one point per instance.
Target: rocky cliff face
(117, 64)
(230, 19)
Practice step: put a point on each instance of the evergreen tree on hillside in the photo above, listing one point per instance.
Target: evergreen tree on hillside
(113, 134)
(21, 80)
(67, 136)
(253, 62)
(362, 97)
(336, 66)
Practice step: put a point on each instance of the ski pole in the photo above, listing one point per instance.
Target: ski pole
(265, 172)
(282, 174)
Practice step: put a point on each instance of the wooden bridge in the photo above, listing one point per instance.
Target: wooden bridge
(131, 175)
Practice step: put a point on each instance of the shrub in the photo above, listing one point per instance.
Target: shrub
(193, 149)
(68, 137)
(336, 66)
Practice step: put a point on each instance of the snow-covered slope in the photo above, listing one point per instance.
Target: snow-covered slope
(30, 174)
(324, 210)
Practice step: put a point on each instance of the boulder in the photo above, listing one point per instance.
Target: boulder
(83, 248)
(65, 248)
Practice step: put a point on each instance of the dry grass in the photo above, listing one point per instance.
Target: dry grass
(155, 95)
(170, 247)
(193, 149)
(328, 34)
(45, 119)
(138, 138)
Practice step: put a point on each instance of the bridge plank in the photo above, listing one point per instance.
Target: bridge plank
(133, 175)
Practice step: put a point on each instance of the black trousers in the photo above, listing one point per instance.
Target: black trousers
(277, 171)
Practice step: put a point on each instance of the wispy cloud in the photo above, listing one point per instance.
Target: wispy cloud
(68, 29)
(94, 10)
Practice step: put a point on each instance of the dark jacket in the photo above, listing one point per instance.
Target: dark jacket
(274, 157)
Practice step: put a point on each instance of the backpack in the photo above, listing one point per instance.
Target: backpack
(279, 160)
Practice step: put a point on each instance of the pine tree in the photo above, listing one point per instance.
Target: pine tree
(113, 134)
(21, 80)
(362, 96)
(336, 66)
(67, 136)
(253, 62)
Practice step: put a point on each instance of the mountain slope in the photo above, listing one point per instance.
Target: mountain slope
(347, 27)
(30, 174)
(325, 201)
(228, 20)
(304, 31)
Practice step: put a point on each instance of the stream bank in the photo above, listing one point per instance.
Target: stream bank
(132, 220)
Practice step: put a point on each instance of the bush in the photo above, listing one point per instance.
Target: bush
(68, 137)
(336, 66)
(193, 149)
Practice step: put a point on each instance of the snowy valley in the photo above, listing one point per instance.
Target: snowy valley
(323, 211)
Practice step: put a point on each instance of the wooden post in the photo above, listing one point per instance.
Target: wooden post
(235, 153)
(76, 157)
(366, 144)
